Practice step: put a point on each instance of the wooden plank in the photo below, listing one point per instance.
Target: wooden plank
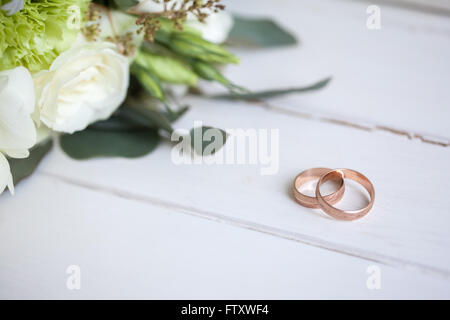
(130, 249)
(408, 226)
(50, 224)
(441, 7)
(396, 77)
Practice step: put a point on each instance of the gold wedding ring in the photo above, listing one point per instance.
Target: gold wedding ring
(326, 202)
(315, 174)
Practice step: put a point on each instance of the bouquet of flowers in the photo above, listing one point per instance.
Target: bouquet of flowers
(105, 76)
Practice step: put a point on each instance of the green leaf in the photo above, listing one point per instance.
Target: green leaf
(260, 33)
(148, 81)
(22, 168)
(210, 73)
(145, 116)
(126, 4)
(92, 143)
(114, 123)
(166, 68)
(207, 144)
(174, 115)
(194, 46)
(271, 93)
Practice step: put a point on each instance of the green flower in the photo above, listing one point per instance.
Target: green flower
(34, 36)
(166, 68)
(193, 46)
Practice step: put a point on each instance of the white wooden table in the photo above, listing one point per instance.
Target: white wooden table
(147, 228)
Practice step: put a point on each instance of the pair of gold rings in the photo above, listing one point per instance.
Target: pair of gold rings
(326, 202)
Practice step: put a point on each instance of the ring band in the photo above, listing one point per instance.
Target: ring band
(326, 206)
(312, 174)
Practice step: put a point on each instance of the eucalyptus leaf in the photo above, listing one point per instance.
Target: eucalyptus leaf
(265, 94)
(22, 168)
(92, 143)
(207, 140)
(114, 123)
(260, 33)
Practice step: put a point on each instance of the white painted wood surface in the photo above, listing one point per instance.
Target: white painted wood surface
(147, 228)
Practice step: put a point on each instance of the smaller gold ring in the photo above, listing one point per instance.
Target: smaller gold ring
(326, 206)
(312, 174)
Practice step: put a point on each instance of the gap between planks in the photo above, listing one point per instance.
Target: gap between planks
(257, 227)
(354, 124)
(430, 7)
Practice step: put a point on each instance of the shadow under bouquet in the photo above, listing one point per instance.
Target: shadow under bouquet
(107, 77)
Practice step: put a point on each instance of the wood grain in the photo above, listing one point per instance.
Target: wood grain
(396, 77)
(131, 249)
(147, 228)
(407, 227)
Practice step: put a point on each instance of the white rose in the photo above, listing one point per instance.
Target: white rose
(17, 129)
(83, 85)
(216, 27)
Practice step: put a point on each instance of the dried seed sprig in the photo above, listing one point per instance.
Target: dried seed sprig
(176, 12)
(91, 30)
(124, 43)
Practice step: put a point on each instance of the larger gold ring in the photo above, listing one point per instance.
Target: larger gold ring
(345, 174)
